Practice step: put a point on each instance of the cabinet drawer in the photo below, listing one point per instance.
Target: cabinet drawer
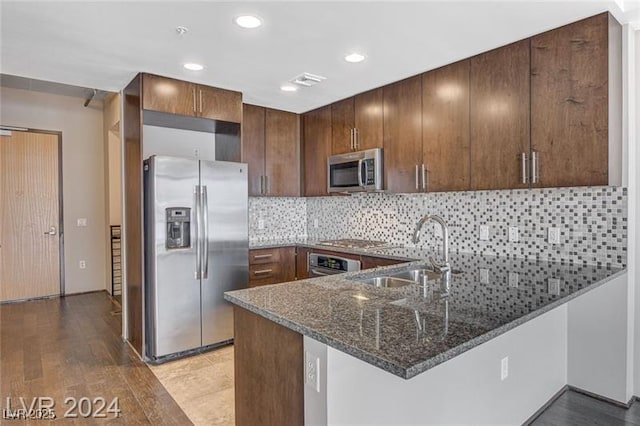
(262, 256)
(265, 271)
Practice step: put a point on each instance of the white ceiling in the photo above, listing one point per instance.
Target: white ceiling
(104, 44)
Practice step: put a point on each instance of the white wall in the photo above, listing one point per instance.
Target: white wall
(598, 345)
(83, 176)
(634, 216)
(464, 390)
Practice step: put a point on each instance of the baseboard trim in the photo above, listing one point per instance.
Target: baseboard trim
(601, 398)
(546, 405)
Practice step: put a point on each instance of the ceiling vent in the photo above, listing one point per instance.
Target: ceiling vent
(307, 80)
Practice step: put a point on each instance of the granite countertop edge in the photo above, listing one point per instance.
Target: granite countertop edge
(421, 367)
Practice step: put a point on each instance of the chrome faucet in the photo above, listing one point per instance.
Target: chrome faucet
(444, 266)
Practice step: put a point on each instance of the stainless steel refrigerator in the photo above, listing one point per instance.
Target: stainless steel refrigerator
(196, 248)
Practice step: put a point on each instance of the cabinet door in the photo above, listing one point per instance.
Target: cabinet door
(369, 262)
(282, 153)
(342, 122)
(219, 104)
(499, 116)
(368, 119)
(302, 263)
(403, 134)
(317, 147)
(569, 103)
(445, 128)
(253, 146)
(168, 95)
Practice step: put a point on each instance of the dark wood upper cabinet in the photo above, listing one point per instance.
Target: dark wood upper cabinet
(569, 104)
(168, 95)
(402, 111)
(185, 98)
(342, 122)
(219, 104)
(282, 153)
(317, 148)
(499, 117)
(253, 146)
(445, 128)
(368, 120)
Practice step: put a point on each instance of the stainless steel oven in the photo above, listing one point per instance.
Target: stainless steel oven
(321, 265)
(356, 171)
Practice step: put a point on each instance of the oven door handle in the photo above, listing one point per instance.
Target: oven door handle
(316, 272)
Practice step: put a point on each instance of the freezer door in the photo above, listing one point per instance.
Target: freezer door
(226, 266)
(173, 289)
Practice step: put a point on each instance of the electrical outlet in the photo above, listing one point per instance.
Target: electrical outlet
(196, 152)
(315, 223)
(312, 371)
(260, 223)
(514, 234)
(504, 368)
(82, 264)
(553, 235)
(484, 232)
(513, 279)
(553, 286)
(82, 221)
(484, 276)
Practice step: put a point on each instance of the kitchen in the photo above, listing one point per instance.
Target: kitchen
(500, 196)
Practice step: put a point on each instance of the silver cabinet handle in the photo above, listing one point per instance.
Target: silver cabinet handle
(263, 272)
(261, 185)
(535, 176)
(360, 177)
(198, 230)
(51, 232)
(263, 256)
(200, 100)
(205, 239)
(352, 139)
(417, 178)
(194, 100)
(356, 142)
(523, 160)
(425, 180)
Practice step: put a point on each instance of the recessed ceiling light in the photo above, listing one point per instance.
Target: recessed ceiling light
(288, 88)
(182, 30)
(193, 67)
(354, 57)
(248, 21)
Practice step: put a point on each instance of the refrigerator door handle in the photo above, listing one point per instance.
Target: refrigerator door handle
(198, 272)
(205, 235)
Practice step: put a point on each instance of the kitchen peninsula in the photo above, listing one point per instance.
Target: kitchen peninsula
(411, 354)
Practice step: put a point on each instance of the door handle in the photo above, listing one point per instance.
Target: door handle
(198, 232)
(201, 100)
(535, 175)
(356, 142)
(194, 100)
(523, 159)
(262, 256)
(417, 178)
(52, 231)
(205, 240)
(360, 177)
(263, 272)
(425, 178)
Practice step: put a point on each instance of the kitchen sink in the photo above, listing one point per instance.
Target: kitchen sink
(388, 282)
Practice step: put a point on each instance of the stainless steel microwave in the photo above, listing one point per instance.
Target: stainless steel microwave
(356, 171)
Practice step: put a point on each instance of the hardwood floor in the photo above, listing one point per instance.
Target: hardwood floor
(71, 347)
(576, 409)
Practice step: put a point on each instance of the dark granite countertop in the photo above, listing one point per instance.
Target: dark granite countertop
(411, 329)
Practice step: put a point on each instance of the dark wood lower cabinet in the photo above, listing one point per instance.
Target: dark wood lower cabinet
(271, 266)
(368, 262)
(269, 376)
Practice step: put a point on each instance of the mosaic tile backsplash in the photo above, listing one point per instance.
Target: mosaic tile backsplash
(592, 221)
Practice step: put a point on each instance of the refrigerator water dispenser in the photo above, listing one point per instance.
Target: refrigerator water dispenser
(178, 227)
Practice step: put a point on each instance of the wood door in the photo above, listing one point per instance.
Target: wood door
(445, 128)
(342, 122)
(403, 134)
(302, 263)
(168, 95)
(29, 215)
(569, 103)
(219, 104)
(317, 149)
(499, 116)
(253, 149)
(368, 119)
(282, 153)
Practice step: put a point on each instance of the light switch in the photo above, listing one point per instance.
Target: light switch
(514, 235)
(553, 236)
(484, 232)
(82, 221)
(484, 276)
(513, 279)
